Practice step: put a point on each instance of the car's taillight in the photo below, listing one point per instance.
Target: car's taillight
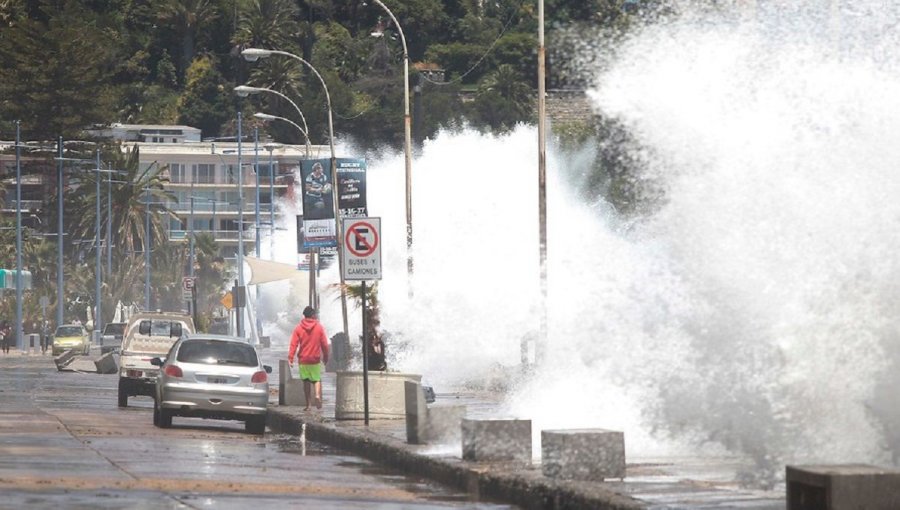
(259, 377)
(173, 371)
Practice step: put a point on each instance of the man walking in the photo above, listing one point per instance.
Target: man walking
(310, 345)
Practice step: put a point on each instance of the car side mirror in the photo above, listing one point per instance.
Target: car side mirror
(267, 368)
(156, 362)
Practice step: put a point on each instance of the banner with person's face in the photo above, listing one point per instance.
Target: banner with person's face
(319, 227)
(318, 203)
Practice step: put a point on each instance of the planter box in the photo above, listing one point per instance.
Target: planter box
(387, 395)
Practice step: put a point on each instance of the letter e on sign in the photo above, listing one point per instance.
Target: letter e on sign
(362, 248)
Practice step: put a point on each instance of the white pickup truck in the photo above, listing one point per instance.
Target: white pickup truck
(147, 336)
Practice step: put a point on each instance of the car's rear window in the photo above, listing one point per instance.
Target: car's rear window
(217, 352)
(68, 331)
(114, 329)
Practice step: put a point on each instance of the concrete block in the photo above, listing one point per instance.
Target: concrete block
(843, 486)
(106, 364)
(64, 359)
(583, 454)
(416, 412)
(387, 395)
(496, 440)
(290, 388)
(443, 423)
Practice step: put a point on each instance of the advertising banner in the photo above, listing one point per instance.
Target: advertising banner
(318, 204)
(352, 187)
(319, 227)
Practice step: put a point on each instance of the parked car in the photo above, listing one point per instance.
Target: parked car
(147, 335)
(71, 336)
(212, 376)
(111, 340)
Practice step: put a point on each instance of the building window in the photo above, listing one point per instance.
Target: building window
(177, 172)
(206, 173)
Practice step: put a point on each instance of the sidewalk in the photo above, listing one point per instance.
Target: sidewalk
(670, 484)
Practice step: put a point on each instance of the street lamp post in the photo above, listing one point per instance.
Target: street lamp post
(542, 186)
(271, 148)
(59, 237)
(313, 292)
(253, 54)
(407, 129)
(256, 205)
(109, 243)
(240, 253)
(246, 90)
(266, 116)
(19, 332)
(98, 322)
(147, 252)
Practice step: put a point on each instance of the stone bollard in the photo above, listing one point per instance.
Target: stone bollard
(496, 440)
(416, 412)
(443, 423)
(430, 424)
(290, 390)
(583, 454)
(836, 487)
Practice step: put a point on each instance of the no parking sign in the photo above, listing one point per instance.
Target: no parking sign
(362, 248)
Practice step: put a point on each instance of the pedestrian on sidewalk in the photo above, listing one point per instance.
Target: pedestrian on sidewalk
(310, 345)
(5, 335)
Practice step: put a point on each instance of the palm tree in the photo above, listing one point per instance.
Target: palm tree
(267, 24)
(375, 348)
(503, 99)
(212, 276)
(188, 17)
(134, 192)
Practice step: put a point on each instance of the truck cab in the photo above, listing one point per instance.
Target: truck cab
(147, 336)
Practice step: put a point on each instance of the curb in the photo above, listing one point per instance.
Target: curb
(524, 486)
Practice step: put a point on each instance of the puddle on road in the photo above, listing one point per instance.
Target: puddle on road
(424, 488)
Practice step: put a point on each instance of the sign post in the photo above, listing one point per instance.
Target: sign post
(362, 262)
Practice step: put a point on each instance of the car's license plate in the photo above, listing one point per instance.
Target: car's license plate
(216, 380)
(135, 373)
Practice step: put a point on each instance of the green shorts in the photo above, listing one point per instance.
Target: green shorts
(312, 373)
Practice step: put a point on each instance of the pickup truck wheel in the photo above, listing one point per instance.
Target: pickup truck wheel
(123, 395)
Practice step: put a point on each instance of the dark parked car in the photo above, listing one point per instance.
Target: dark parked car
(113, 333)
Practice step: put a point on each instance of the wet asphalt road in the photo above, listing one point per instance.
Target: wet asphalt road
(65, 444)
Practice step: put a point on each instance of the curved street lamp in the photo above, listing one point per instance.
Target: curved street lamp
(266, 116)
(246, 90)
(254, 54)
(313, 293)
(407, 128)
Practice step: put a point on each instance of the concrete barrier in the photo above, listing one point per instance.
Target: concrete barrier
(443, 424)
(64, 359)
(107, 364)
(426, 424)
(416, 412)
(844, 486)
(496, 440)
(387, 395)
(290, 389)
(583, 454)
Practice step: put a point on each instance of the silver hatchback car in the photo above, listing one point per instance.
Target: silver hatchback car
(212, 376)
